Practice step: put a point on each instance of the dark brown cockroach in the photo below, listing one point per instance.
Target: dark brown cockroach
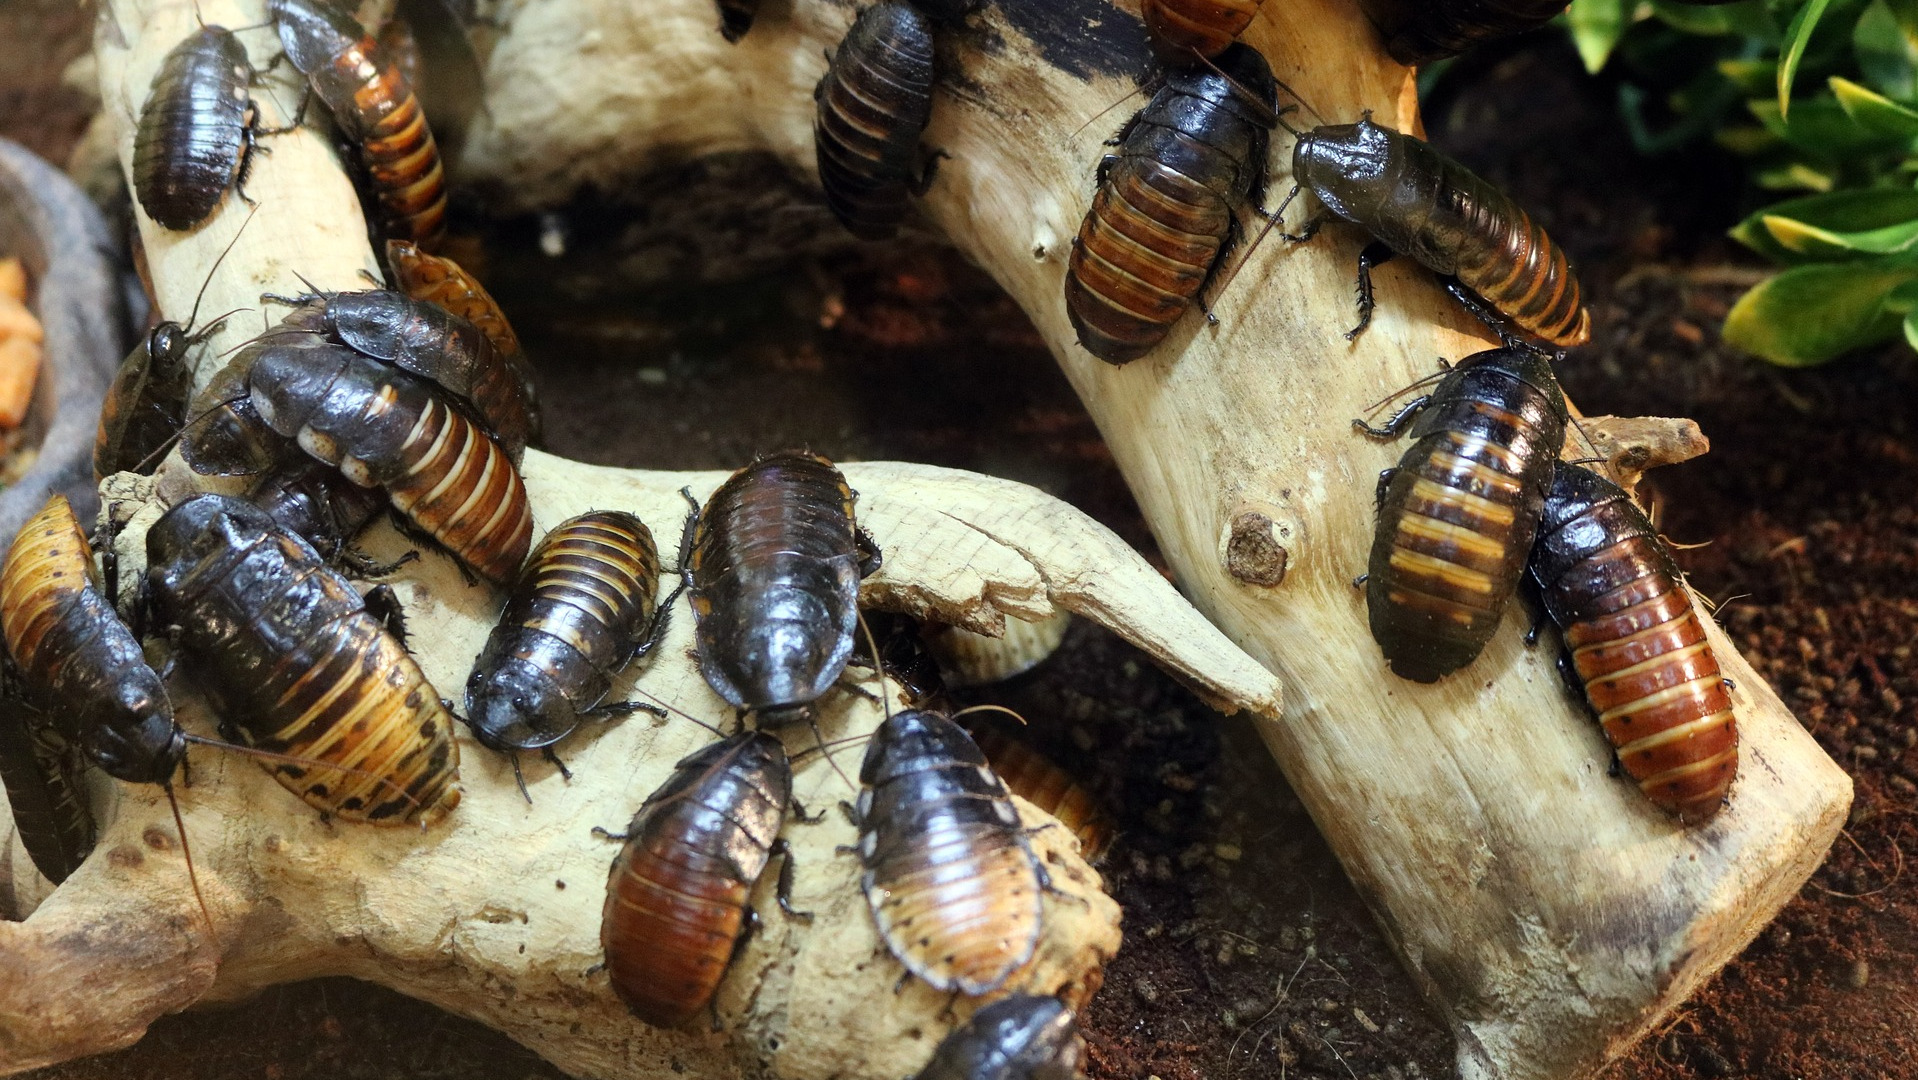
(43, 774)
(374, 108)
(1457, 515)
(314, 502)
(952, 882)
(1416, 201)
(1038, 780)
(1182, 29)
(773, 571)
(1421, 31)
(383, 428)
(871, 107)
(736, 17)
(295, 663)
(1166, 214)
(196, 129)
(584, 608)
(223, 434)
(677, 902)
(434, 279)
(1635, 644)
(903, 655)
(1022, 1037)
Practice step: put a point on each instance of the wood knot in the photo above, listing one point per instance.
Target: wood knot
(1253, 554)
(156, 838)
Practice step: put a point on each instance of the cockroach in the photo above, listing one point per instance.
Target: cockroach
(1166, 213)
(375, 109)
(314, 502)
(223, 434)
(951, 879)
(296, 663)
(434, 279)
(1040, 781)
(383, 428)
(584, 608)
(1421, 31)
(736, 17)
(1457, 515)
(43, 775)
(677, 901)
(967, 659)
(871, 107)
(772, 567)
(196, 129)
(1416, 201)
(1182, 29)
(1023, 1037)
(903, 655)
(1635, 644)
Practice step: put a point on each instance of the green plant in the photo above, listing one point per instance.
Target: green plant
(1820, 96)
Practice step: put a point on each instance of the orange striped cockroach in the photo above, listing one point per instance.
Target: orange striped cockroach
(1040, 781)
(434, 279)
(1182, 30)
(1635, 644)
(298, 665)
(1458, 513)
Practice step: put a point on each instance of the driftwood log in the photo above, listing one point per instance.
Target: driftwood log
(1549, 914)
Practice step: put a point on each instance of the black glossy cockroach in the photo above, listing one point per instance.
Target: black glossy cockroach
(1416, 201)
(1635, 643)
(677, 902)
(736, 17)
(295, 663)
(870, 108)
(1457, 515)
(196, 129)
(1182, 29)
(375, 109)
(772, 569)
(43, 775)
(1166, 214)
(314, 502)
(950, 877)
(584, 608)
(1421, 31)
(1040, 781)
(903, 655)
(1022, 1037)
(383, 428)
(431, 342)
(434, 279)
(224, 435)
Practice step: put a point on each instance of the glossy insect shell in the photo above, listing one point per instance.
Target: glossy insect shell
(1022, 1037)
(1636, 644)
(872, 105)
(147, 404)
(224, 435)
(736, 17)
(311, 500)
(580, 612)
(384, 428)
(191, 142)
(1460, 511)
(1040, 781)
(677, 899)
(77, 659)
(1164, 217)
(1421, 31)
(375, 109)
(434, 279)
(44, 778)
(952, 882)
(775, 584)
(1180, 28)
(293, 663)
(1424, 205)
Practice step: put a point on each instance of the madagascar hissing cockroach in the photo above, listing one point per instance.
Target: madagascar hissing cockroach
(375, 109)
(384, 428)
(1181, 30)
(1166, 213)
(1457, 515)
(1416, 201)
(1635, 643)
(223, 434)
(903, 655)
(736, 17)
(295, 663)
(43, 773)
(1023, 1037)
(951, 880)
(314, 502)
(678, 899)
(870, 108)
(1421, 31)
(434, 279)
(1039, 780)
(772, 569)
(584, 608)
(196, 129)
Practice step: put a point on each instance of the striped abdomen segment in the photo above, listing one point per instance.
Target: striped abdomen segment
(871, 106)
(460, 487)
(44, 778)
(952, 883)
(192, 136)
(1179, 28)
(437, 280)
(1503, 255)
(1038, 780)
(1420, 31)
(1637, 645)
(676, 902)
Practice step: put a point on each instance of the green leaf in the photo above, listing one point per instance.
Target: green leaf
(1753, 76)
(1823, 244)
(1906, 12)
(1842, 213)
(1887, 55)
(1797, 36)
(1821, 127)
(1749, 18)
(1903, 299)
(1809, 315)
(1596, 27)
(1874, 112)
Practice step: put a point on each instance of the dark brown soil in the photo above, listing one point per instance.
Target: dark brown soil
(1247, 952)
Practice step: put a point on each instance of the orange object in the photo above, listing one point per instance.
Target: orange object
(13, 279)
(19, 369)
